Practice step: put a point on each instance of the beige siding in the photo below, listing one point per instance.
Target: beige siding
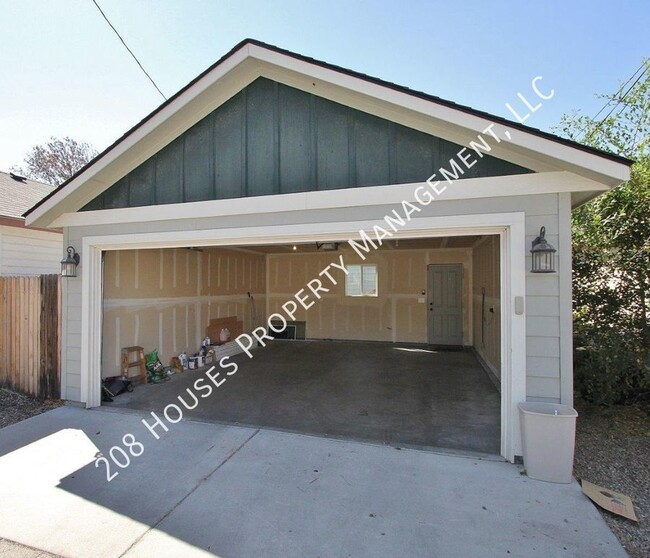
(71, 329)
(543, 310)
(540, 301)
(29, 252)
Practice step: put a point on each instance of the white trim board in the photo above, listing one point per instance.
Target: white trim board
(509, 226)
(251, 61)
(514, 185)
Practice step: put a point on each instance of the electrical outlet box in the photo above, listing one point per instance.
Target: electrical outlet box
(519, 305)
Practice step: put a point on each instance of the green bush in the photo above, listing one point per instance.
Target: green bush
(610, 368)
(611, 256)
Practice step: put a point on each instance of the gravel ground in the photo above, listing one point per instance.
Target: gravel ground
(15, 407)
(613, 450)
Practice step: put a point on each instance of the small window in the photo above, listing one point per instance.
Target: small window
(361, 280)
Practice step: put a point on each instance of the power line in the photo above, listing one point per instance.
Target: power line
(130, 51)
(622, 99)
(619, 91)
(611, 100)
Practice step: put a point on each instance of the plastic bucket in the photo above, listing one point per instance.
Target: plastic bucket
(548, 436)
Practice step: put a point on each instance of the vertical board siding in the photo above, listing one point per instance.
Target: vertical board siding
(229, 148)
(296, 158)
(169, 173)
(271, 139)
(198, 182)
(142, 185)
(30, 335)
(261, 110)
(332, 149)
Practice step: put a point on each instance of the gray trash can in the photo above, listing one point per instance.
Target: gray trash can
(548, 433)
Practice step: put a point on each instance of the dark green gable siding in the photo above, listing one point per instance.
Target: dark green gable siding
(273, 139)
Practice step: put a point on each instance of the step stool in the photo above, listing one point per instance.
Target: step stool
(139, 362)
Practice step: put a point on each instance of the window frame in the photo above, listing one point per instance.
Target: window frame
(361, 274)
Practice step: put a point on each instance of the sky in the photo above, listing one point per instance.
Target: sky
(63, 72)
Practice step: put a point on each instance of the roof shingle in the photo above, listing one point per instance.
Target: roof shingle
(16, 197)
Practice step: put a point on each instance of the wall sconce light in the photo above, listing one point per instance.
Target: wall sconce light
(69, 265)
(543, 254)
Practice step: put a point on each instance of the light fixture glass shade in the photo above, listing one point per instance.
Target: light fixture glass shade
(69, 265)
(543, 254)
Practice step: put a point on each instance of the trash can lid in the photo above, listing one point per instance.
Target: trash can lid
(547, 409)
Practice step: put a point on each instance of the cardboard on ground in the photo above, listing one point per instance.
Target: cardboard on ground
(615, 502)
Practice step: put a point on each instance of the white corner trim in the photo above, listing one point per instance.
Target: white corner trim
(91, 321)
(513, 337)
(566, 298)
(489, 187)
(509, 226)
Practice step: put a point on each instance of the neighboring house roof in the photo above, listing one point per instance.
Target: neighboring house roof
(250, 59)
(18, 194)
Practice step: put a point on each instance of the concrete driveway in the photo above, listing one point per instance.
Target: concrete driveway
(207, 489)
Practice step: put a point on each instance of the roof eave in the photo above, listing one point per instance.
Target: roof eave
(248, 60)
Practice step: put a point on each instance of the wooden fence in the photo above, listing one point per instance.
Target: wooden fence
(30, 334)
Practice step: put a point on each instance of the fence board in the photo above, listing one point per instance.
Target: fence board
(48, 381)
(3, 328)
(30, 334)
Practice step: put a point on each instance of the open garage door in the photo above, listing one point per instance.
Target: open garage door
(359, 352)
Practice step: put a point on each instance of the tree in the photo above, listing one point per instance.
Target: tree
(56, 161)
(611, 255)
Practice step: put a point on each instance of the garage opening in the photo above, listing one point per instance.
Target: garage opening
(402, 347)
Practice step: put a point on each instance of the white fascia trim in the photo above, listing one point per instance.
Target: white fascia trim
(253, 61)
(514, 185)
(509, 226)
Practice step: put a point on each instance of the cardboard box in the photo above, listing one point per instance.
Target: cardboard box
(614, 502)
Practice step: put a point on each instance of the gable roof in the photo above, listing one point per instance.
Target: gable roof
(251, 59)
(19, 195)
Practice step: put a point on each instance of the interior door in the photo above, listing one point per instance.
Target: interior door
(445, 304)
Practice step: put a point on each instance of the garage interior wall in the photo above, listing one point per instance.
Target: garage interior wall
(486, 303)
(165, 298)
(399, 311)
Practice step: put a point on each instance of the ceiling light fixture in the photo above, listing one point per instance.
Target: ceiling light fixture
(327, 246)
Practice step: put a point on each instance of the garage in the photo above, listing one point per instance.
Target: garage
(452, 228)
(402, 347)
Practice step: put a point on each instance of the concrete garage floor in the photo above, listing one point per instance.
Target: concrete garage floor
(389, 393)
(207, 489)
